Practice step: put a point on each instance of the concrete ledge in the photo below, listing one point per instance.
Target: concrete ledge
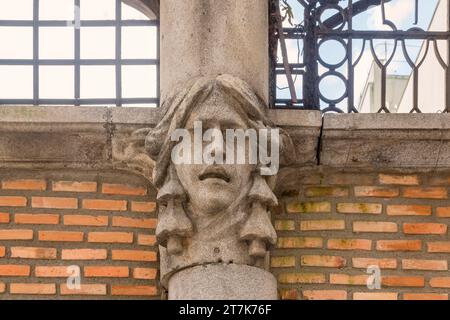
(102, 137)
(386, 140)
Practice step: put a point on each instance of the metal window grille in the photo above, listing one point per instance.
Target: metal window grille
(77, 62)
(313, 32)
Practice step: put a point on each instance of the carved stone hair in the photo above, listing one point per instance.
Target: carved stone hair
(174, 223)
(178, 106)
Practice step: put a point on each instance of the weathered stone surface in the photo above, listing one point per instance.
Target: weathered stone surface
(214, 212)
(386, 140)
(223, 281)
(98, 137)
(208, 38)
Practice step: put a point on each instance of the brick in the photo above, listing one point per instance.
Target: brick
(288, 294)
(74, 186)
(326, 192)
(2, 252)
(351, 280)
(349, 179)
(24, 184)
(106, 272)
(146, 240)
(83, 220)
(359, 208)
(324, 295)
(378, 192)
(375, 296)
(440, 282)
(32, 288)
(299, 242)
(349, 244)
(309, 207)
(364, 263)
(408, 210)
(85, 289)
(439, 179)
(284, 225)
(11, 201)
(54, 203)
(105, 205)
(323, 261)
(84, 254)
(425, 193)
(35, 218)
(16, 234)
(61, 236)
(145, 273)
(443, 212)
(134, 255)
(403, 281)
(398, 179)
(52, 271)
(399, 245)
(439, 247)
(110, 237)
(140, 206)
(301, 278)
(415, 264)
(282, 262)
(4, 217)
(128, 290)
(322, 225)
(126, 222)
(374, 226)
(11, 270)
(424, 228)
(425, 296)
(33, 253)
(123, 189)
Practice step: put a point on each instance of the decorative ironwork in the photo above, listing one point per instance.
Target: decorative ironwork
(77, 62)
(319, 27)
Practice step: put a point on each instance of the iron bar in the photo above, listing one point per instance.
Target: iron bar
(77, 61)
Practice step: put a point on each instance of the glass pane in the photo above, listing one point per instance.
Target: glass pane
(56, 9)
(98, 9)
(56, 82)
(16, 82)
(98, 82)
(139, 42)
(98, 43)
(56, 43)
(16, 10)
(17, 43)
(139, 81)
(129, 13)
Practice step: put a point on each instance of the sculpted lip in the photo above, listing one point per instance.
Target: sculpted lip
(214, 172)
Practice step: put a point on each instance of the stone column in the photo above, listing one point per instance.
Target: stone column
(211, 37)
(214, 55)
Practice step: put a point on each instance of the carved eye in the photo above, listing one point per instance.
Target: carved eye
(162, 206)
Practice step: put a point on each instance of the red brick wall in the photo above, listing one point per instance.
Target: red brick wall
(340, 223)
(337, 225)
(102, 222)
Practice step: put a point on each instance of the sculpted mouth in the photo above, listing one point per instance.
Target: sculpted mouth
(214, 172)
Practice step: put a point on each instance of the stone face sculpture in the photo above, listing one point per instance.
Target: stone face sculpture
(211, 213)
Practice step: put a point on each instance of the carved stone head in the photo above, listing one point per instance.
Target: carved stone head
(209, 212)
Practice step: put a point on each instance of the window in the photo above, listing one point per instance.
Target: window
(77, 52)
(361, 55)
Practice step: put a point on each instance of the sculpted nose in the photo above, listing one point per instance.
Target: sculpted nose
(217, 144)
